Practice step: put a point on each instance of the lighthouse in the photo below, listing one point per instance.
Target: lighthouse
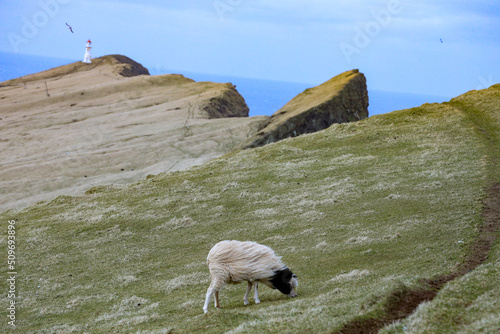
(86, 58)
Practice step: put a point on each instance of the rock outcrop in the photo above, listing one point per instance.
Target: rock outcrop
(118, 64)
(341, 99)
(227, 104)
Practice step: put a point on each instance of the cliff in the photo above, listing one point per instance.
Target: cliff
(341, 99)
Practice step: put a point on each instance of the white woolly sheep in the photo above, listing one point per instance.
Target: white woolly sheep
(236, 261)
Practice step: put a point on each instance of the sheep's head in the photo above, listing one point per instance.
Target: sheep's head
(285, 281)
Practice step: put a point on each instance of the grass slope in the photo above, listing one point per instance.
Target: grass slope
(357, 211)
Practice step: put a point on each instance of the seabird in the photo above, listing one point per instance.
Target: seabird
(70, 29)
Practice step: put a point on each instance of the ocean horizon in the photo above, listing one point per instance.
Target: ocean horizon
(263, 97)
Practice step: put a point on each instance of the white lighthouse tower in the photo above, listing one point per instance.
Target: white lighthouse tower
(86, 58)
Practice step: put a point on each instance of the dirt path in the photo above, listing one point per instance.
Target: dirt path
(403, 303)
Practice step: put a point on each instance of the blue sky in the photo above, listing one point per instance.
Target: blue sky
(396, 43)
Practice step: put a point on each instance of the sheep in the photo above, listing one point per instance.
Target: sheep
(232, 261)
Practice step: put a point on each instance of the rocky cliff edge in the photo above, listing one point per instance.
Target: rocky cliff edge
(343, 98)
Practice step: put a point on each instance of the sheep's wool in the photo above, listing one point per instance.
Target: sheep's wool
(235, 261)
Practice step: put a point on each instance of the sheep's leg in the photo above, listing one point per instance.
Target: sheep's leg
(256, 293)
(216, 294)
(210, 292)
(213, 289)
(245, 299)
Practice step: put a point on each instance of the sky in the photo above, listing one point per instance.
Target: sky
(433, 47)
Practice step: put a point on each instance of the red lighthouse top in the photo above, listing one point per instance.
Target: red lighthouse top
(89, 41)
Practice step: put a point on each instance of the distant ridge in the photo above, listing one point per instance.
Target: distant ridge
(118, 64)
(80, 125)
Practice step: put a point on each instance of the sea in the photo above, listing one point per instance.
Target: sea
(263, 97)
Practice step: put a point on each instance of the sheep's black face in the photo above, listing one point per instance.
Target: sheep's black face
(285, 281)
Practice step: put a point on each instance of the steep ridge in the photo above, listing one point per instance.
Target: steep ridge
(80, 125)
(343, 98)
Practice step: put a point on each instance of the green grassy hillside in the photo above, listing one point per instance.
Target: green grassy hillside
(358, 211)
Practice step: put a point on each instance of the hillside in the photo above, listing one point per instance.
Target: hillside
(72, 127)
(368, 214)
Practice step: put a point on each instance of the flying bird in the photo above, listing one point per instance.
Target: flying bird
(70, 29)
(441, 40)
